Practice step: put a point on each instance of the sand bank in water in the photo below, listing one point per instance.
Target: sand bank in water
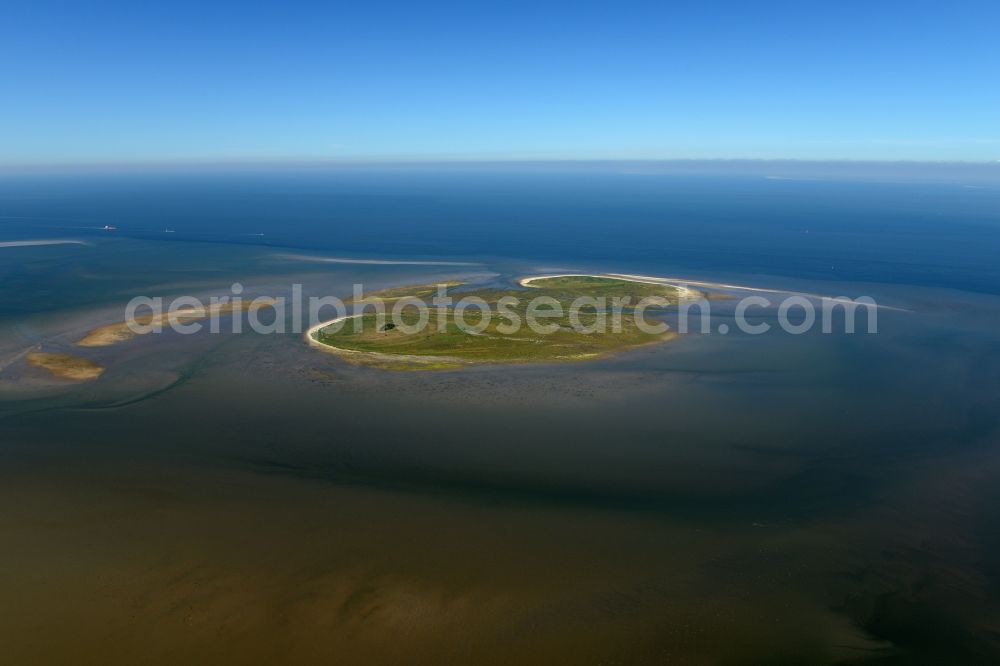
(105, 336)
(66, 366)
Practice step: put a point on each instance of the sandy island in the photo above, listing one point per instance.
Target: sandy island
(105, 336)
(66, 366)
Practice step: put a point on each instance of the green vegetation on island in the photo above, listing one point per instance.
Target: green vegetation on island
(547, 319)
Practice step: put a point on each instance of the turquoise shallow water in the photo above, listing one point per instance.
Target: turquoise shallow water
(721, 498)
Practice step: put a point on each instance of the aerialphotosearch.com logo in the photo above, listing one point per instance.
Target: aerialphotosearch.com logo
(543, 314)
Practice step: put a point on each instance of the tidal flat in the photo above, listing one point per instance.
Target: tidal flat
(275, 504)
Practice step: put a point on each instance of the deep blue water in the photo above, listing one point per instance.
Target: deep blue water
(944, 234)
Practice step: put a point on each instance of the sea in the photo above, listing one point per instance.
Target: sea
(724, 497)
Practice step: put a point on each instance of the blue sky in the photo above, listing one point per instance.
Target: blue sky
(105, 81)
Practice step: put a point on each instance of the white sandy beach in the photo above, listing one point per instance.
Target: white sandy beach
(323, 324)
(690, 293)
(645, 279)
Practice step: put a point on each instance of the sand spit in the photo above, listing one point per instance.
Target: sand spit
(111, 334)
(35, 243)
(687, 292)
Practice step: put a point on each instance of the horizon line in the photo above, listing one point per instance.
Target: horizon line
(402, 160)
